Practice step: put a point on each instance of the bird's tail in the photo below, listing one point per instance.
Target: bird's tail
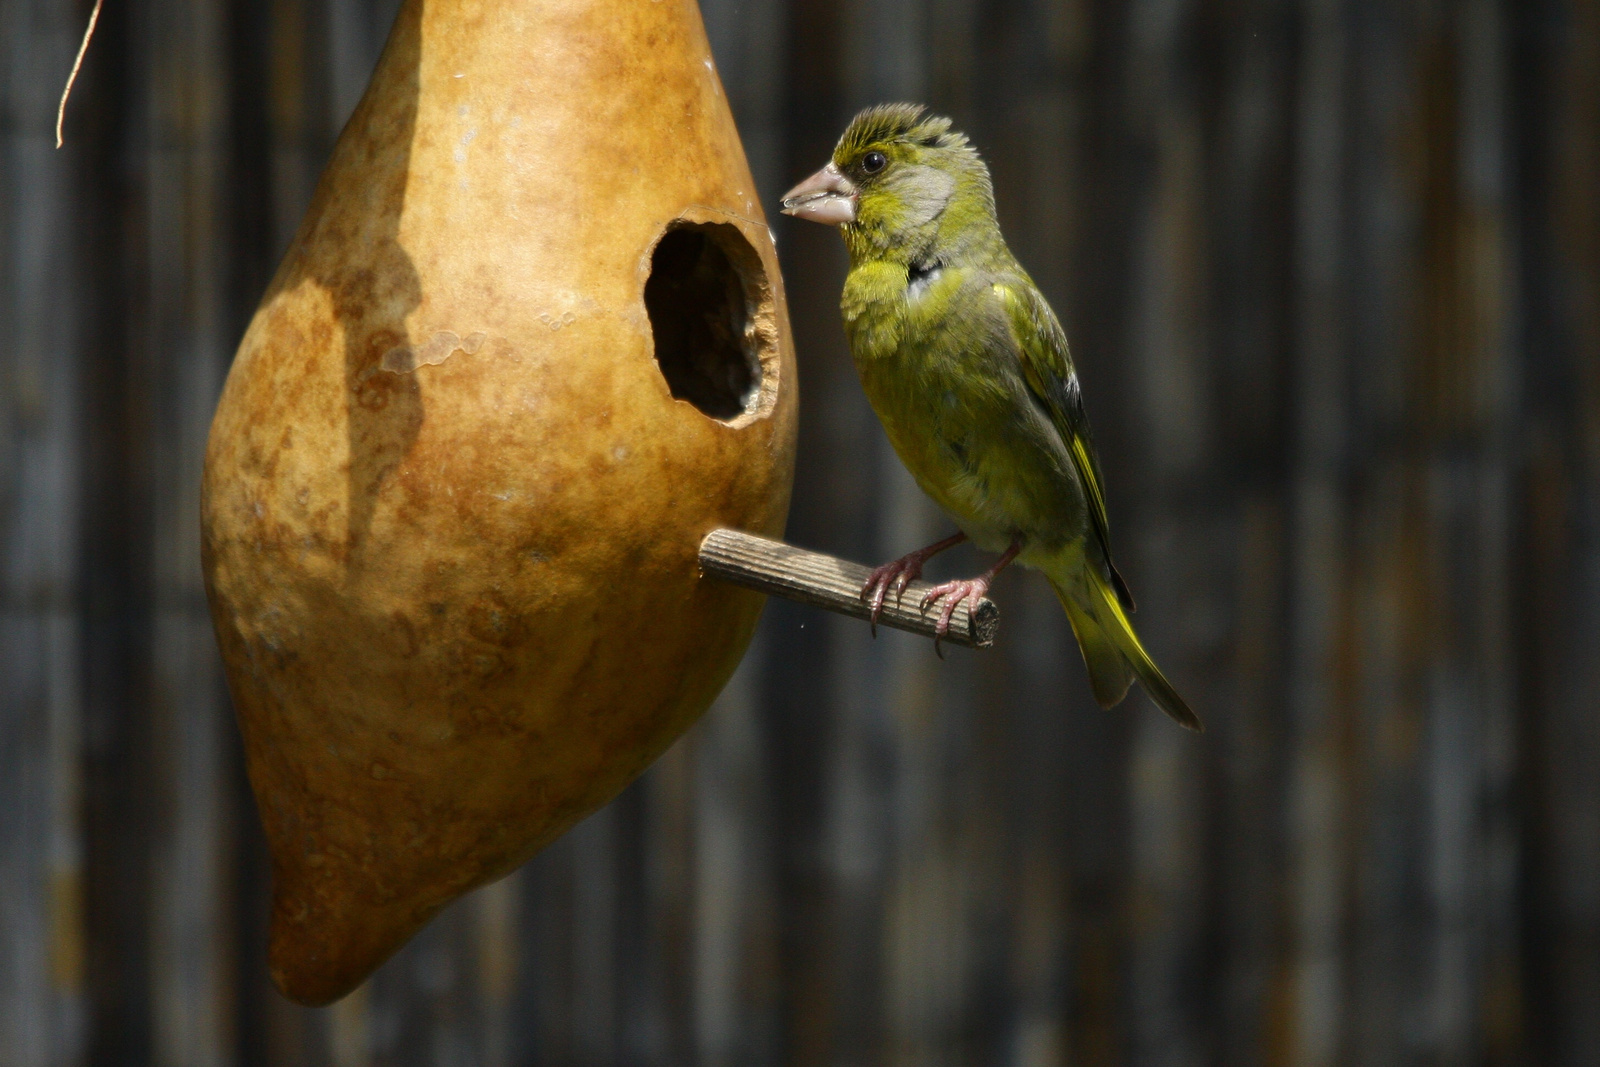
(1111, 650)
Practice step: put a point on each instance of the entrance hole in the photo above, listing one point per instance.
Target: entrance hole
(704, 304)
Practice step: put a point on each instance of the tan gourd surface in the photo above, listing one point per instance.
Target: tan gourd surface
(451, 507)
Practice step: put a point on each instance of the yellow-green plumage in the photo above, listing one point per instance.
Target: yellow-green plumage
(968, 369)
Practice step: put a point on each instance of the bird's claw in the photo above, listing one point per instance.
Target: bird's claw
(897, 575)
(952, 593)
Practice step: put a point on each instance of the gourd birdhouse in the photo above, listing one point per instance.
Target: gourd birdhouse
(528, 346)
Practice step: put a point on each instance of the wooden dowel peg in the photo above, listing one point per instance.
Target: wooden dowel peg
(825, 581)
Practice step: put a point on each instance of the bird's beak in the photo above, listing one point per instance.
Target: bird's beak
(827, 197)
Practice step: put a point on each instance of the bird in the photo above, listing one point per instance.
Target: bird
(967, 367)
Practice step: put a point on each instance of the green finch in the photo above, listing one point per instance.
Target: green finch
(968, 369)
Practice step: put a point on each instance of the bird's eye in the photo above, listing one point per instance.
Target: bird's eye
(873, 162)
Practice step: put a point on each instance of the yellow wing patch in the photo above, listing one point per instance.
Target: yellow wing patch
(1047, 368)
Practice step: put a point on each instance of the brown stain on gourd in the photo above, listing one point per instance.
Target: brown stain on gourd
(457, 595)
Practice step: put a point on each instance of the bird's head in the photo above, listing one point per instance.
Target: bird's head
(901, 185)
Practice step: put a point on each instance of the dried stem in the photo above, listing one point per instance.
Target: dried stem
(77, 64)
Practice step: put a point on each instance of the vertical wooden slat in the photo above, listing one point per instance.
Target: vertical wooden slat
(42, 295)
(1168, 389)
(1316, 967)
(1477, 980)
(1388, 569)
(1243, 669)
(732, 969)
(182, 354)
(498, 917)
(1557, 576)
(116, 561)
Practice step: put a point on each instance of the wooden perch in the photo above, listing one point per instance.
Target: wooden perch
(828, 582)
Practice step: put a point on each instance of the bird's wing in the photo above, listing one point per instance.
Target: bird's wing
(1047, 368)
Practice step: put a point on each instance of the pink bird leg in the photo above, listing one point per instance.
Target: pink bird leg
(899, 574)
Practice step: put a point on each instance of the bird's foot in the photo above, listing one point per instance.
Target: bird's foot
(952, 594)
(968, 589)
(898, 574)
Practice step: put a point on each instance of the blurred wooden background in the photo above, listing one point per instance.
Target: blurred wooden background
(1332, 272)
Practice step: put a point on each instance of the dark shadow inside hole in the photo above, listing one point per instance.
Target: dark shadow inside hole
(698, 314)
